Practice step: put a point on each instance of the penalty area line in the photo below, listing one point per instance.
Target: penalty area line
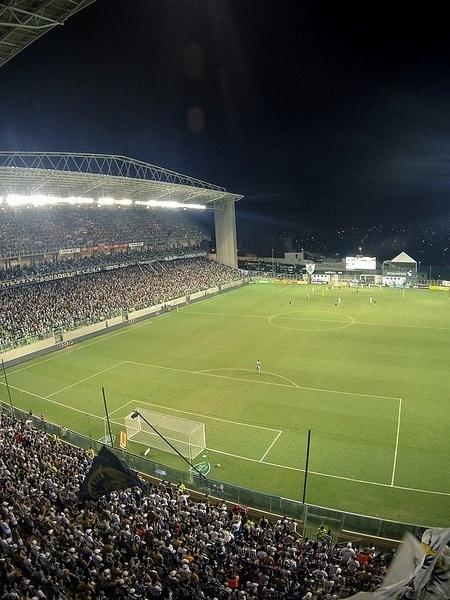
(396, 441)
(285, 385)
(270, 447)
(237, 455)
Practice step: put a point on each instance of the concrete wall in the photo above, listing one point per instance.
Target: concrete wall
(35, 349)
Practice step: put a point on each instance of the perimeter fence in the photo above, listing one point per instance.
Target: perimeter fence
(309, 515)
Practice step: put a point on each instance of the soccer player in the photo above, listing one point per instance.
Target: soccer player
(258, 366)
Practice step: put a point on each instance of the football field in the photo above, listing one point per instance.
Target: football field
(370, 380)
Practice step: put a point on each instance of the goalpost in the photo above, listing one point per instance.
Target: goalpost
(188, 437)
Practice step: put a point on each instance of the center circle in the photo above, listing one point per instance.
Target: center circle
(307, 321)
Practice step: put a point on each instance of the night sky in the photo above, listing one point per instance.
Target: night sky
(321, 113)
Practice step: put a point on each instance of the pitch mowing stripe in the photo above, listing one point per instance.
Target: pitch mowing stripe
(82, 380)
(239, 456)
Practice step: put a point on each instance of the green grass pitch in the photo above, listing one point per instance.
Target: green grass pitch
(369, 380)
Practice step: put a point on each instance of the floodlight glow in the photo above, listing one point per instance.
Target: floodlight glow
(16, 200)
(76, 200)
(43, 200)
(169, 204)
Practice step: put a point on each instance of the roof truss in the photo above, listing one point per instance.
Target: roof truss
(24, 21)
(103, 175)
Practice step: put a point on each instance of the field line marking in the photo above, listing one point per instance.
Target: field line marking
(396, 440)
(320, 320)
(187, 412)
(237, 455)
(251, 371)
(51, 401)
(387, 485)
(299, 387)
(270, 447)
(82, 380)
(121, 407)
(448, 297)
(302, 387)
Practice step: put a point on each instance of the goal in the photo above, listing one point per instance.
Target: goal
(188, 437)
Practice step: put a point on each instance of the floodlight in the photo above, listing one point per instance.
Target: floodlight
(169, 204)
(105, 201)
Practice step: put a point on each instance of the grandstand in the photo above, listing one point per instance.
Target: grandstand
(76, 266)
(31, 179)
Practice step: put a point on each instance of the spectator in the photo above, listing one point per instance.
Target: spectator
(157, 544)
(37, 309)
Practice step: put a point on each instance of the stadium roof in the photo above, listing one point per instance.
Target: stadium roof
(24, 21)
(403, 258)
(98, 176)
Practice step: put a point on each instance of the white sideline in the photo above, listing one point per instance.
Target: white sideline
(13, 387)
(82, 380)
(239, 456)
(396, 441)
(270, 447)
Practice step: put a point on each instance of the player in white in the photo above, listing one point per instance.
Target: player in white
(258, 366)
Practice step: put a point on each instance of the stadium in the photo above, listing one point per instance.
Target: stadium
(177, 423)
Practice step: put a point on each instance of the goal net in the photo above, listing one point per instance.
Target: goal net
(188, 437)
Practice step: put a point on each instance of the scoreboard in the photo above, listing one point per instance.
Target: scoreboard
(360, 263)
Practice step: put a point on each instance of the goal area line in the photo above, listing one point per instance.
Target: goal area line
(245, 458)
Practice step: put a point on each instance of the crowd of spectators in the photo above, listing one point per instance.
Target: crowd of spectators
(38, 308)
(86, 263)
(25, 231)
(152, 543)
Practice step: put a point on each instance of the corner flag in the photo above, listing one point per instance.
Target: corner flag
(107, 474)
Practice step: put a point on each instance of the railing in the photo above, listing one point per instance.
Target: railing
(310, 515)
(26, 341)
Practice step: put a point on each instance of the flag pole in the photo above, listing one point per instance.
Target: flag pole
(107, 418)
(136, 413)
(7, 387)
